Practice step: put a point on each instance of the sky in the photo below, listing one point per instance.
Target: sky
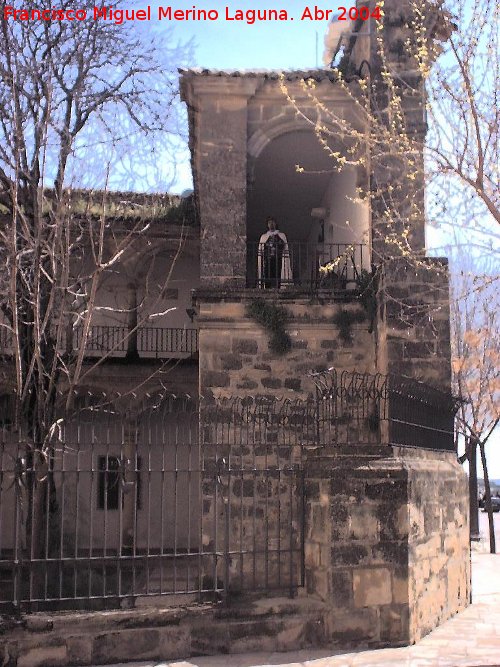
(272, 44)
(224, 44)
(292, 44)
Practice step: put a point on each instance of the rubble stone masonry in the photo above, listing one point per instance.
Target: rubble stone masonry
(414, 320)
(235, 359)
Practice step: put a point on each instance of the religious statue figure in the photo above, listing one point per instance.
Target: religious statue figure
(274, 268)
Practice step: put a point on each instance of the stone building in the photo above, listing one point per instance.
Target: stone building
(386, 538)
(316, 470)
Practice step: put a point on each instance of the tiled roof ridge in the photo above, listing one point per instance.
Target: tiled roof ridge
(115, 194)
(317, 73)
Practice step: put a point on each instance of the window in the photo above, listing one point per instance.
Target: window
(7, 410)
(110, 485)
(109, 482)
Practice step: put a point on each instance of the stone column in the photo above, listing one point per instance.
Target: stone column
(394, 179)
(219, 150)
(386, 542)
(414, 324)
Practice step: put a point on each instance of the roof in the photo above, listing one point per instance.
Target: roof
(125, 207)
(267, 74)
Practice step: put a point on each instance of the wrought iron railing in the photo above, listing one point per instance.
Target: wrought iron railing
(169, 498)
(125, 505)
(118, 341)
(146, 341)
(334, 267)
(361, 408)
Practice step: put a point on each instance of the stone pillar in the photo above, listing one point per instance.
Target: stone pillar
(219, 160)
(356, 547)
(414, 323)
(386, 542)
(394, 178)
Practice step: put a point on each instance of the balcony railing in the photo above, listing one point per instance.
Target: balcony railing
(116, 341)
(146, 341)
(333, 267)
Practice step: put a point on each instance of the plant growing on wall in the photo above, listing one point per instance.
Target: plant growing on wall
(344, 319)
(274, 319)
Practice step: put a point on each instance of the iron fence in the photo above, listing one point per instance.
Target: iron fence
(145, 341)
(125, 509)
(254, 510)
(361, 408)
(331, 267)
(173, 500)
(109, 512)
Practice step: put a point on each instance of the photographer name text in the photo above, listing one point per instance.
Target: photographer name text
(171, 13)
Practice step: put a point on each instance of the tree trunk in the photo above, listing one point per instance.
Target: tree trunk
(488, 499)
(36, 527)
(473, 492)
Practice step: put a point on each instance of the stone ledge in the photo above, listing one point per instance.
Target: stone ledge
(296, 294)
(42, 622)
(89, 638)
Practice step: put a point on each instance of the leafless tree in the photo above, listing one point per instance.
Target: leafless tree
(73, 96)
(476, 372)
(464, 209)
(464, 119)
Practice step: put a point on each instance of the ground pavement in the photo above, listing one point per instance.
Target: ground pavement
(470, 639)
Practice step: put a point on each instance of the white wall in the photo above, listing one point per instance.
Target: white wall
(149, 275)
(169, 513)
(348, 220)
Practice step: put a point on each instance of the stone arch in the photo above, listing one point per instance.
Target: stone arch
(264, 135)
(316, 205)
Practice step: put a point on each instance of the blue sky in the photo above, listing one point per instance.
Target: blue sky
(233, 44)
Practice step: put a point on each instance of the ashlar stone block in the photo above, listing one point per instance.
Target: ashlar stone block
(372, 587)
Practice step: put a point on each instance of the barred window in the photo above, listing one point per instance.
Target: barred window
(109, 485)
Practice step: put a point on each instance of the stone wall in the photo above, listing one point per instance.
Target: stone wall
(357, 549)
(439, 551)
(252, 517)
(390, 562)
(414, 322)
(235, 359)
(386, 560)
(71, 639)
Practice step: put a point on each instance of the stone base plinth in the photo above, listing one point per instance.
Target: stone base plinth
(387, 543)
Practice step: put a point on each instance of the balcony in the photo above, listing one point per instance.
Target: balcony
(316, 267)
(115, 341)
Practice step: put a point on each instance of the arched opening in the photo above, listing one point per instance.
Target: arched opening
(317, 207)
